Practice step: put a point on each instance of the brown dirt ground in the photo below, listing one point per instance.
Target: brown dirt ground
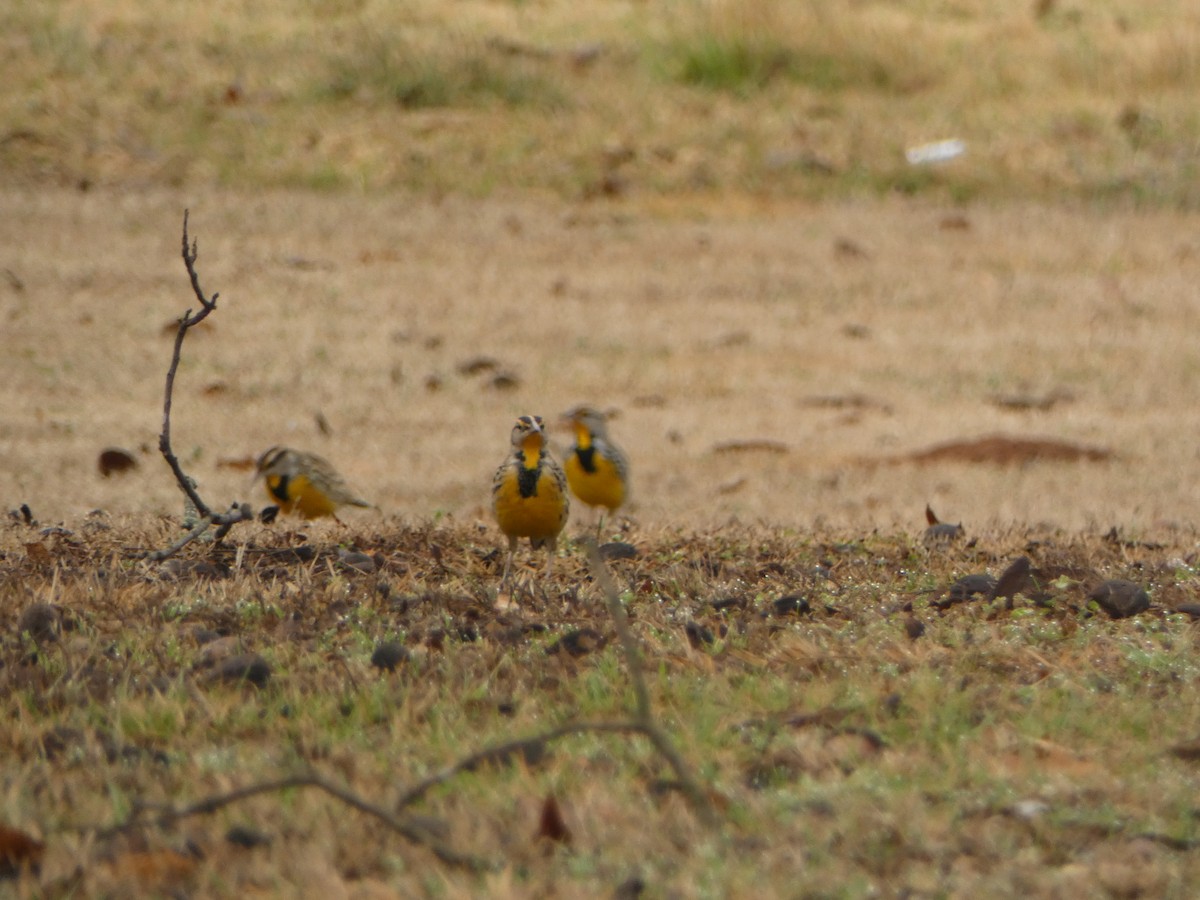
(848, 332)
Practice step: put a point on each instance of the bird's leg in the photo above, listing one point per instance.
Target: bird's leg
(551, 548)
(508, 561)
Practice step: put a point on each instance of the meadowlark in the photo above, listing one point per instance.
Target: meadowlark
(304, 483)
(529, 493)
(597, 470)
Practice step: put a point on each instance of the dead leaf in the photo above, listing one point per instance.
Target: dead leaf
(38, 553)
(848, 249)
(551, 825)
(477, 364)
(322, 423)
(19, 851)
(1032, 402)
(152, 868)
(1001, 450)
(1189, 751)
(237, 463)
(732, 486)
(247, 668)
(750, 445)
(115, 460)
(504, 381)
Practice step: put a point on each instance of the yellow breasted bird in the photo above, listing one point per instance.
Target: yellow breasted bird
(529, 493)
(304, 483)
(597, 470)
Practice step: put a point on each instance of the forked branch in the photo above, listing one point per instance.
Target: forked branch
(207, 518)
(643, 715)
(641, 722)
(410, 829)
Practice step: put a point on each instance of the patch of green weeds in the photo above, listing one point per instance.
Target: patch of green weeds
(455, 75)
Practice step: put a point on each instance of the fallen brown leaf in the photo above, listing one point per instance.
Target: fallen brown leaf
(19, 851)
(551, 825)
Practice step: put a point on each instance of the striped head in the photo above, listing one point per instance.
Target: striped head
(588, 423)
(529, 437)
(304, 482)
(277, 462)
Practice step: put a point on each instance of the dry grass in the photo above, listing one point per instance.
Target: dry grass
(780, 98)
(996, 753)
(697, 215)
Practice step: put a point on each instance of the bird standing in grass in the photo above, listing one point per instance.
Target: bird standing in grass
(529, 493)
(304, 483)
(597, 470)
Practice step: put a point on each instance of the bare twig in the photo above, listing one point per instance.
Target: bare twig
(412, 831)
(633, 657)
(644, 715)
(236, 514)
(208, 518)
(499, 752)
(642, 722)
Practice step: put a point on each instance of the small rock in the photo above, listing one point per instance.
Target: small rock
(1191, 610)
(791, 605)
(698, 635)
(579, 642)
(215, 649)
(357, 562)
(246, 837)
(617, 550)
(388, 655)
(914, 628)
(1028, 810)
(246, 667)
(59, 739)
(970, 585)
(42, 621)
(1013, 580)
(175, 569)
(1188, 750)
(939, 532)
(203, 635)
(942, 533)
(1120, 598)
(631, 888)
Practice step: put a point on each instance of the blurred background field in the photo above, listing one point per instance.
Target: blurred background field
(802, 98)
(698, 215)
